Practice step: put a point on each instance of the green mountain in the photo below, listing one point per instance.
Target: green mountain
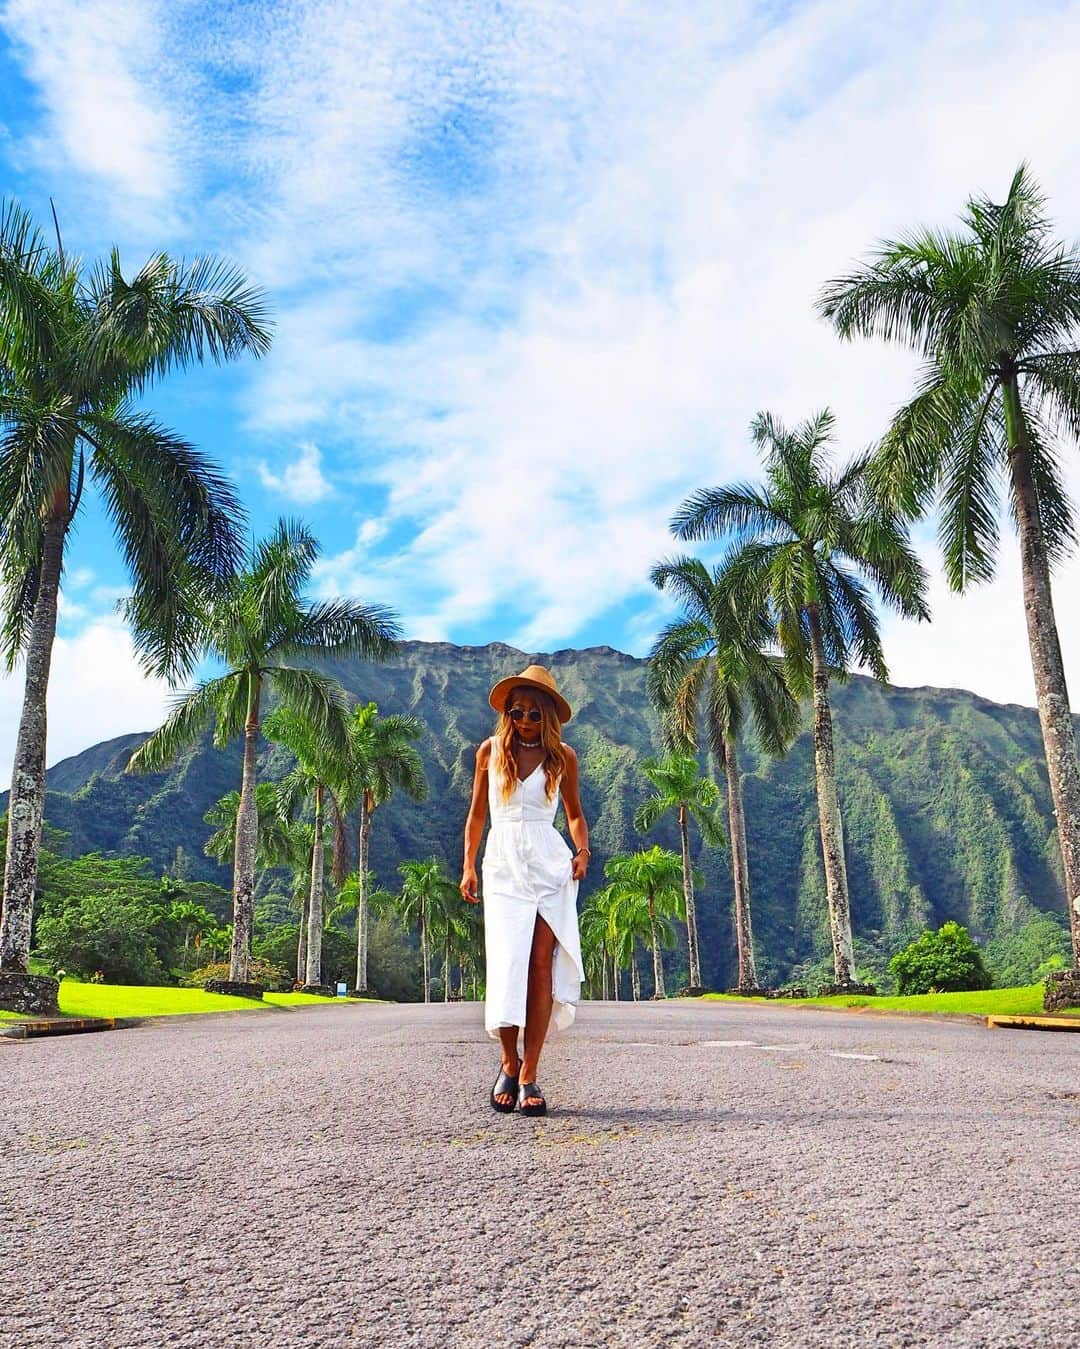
(945, 798)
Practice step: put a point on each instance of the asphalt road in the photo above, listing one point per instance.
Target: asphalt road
(710, 1175)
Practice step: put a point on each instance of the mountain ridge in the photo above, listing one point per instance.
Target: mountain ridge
(944, 793)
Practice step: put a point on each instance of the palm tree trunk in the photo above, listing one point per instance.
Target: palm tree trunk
(301, 945)
(604, 986)
(688, 897)
(425, 956)
(362, 904)
(658, 964)
(26, 803)
(635, 978)
(247, 839)
(1051, 692)
(740, 872)
(446, 965)
(313, 975)
(831, 825)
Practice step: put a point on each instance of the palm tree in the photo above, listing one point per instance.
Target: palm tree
(715, 651)
(681, 788)
(318, 765)
(807, 547)
(993, 311)
(195, 920)
(426, 889)
(651, 879)
(260, 629)
(596, 945)
(616, 921)
(79, 350)
(380, 757)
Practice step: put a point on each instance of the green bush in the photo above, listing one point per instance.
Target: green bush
(945, 961)
(274, 978)
(110, 933)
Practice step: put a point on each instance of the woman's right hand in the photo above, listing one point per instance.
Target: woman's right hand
(469, 886)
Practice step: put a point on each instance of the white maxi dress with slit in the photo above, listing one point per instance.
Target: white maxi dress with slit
(527, 873)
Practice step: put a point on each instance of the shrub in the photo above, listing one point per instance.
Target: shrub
(111, 933)
(945, 961)
(274, 978)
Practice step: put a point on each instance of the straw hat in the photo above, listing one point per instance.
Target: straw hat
(533, 676)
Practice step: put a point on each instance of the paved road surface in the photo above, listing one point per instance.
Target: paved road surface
(709, 1175)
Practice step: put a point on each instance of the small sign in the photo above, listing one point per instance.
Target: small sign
(342, 990)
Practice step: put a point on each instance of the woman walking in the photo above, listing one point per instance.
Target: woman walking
(534, 970)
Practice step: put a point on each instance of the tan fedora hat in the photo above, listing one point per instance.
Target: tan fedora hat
(533, 676)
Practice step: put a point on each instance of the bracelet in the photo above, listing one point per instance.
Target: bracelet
(583, 850)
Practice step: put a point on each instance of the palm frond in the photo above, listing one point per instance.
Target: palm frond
(191, 715)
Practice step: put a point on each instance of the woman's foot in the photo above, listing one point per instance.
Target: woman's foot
(506, 1099)
(531, 1098)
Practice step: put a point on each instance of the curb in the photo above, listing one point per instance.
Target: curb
(1034, 1022)
(42, 1027)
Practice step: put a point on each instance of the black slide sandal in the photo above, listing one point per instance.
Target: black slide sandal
(525, 1090)
(505, 1085)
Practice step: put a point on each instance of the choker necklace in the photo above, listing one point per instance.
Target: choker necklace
(527, 744)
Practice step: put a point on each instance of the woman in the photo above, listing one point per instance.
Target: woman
(530, 878)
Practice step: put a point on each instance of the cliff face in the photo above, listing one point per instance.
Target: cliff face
(945, 800)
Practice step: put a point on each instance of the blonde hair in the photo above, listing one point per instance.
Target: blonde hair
(504, 760)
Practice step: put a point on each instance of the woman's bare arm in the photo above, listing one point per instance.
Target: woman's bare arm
(575, 816)
(474, 823)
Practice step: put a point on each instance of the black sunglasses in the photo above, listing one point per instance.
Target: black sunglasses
(518, 713)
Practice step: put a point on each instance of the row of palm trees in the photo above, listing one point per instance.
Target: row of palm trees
(994, 311)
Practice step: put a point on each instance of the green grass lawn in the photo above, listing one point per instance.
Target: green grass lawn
(993, 1002)
(130, 1000)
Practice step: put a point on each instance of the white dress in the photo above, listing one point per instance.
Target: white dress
(526, 871)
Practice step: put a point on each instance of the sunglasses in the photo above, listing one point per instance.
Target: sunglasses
(519, 714)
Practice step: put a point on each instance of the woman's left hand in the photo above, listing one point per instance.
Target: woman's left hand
(579, 865)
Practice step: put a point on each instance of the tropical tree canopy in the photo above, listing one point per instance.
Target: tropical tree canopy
(994, 312)
(810, 543)
(259, 627)
(717, 653)
(79, 348)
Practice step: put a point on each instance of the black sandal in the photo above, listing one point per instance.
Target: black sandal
(527, 1090)
(505, 1085)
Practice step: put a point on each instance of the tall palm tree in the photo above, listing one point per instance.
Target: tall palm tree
(993, 311)
(808, 547)
(715, 652)
(681, 788)
(380, 757)
(318, 766)
(260, 629)
(79, 350)
(426, 890)
(651, 878)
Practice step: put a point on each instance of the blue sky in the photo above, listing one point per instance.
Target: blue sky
(534, 268)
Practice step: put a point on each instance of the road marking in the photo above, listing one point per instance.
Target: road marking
(798, 1046)
(728, 1044)
(836, 1054)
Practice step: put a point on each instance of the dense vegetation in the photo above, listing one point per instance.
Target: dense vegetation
(946, 809)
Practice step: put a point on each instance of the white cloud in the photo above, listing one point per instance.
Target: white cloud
(96, 691)
(536, 266)
(95, 67)
(302, 481)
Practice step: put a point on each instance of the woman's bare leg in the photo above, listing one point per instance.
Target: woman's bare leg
(508, 1037)
(537, 1002)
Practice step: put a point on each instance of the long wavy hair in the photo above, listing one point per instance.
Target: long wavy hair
(504, 757)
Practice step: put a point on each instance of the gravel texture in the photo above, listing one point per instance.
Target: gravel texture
(336, 1177)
